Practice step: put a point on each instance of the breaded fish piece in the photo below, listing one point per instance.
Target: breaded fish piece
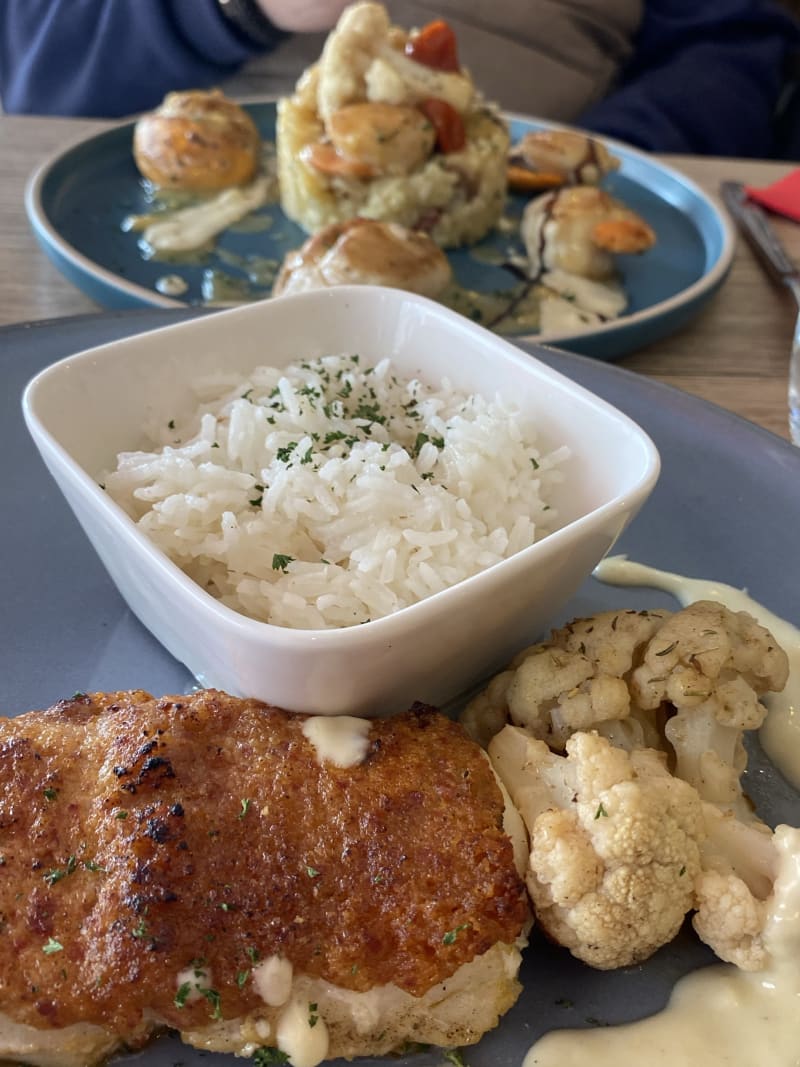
(249, 877)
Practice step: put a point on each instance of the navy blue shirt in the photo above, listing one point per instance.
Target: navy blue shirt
(705, 77)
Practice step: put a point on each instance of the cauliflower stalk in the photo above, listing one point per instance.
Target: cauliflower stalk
(614, 843)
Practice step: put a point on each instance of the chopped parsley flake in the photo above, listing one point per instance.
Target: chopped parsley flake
(245, 807)
(312, 872)
(215, 1000)
(50, 794)
(451, 935)
(262, 1057)
(453, 1055)
(140, 930)
(51, 946)
(601, 811)
(182, 995)
(281, 562)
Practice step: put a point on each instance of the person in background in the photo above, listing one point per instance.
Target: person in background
(665, 75)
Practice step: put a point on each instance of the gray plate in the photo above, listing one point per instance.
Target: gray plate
(727, 507)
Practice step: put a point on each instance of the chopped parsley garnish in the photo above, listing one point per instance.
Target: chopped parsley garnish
(281, 562)
(421, 439)
(453, 1055)
(262, 1057)
(313, 1017)
(51, 946)
(215, 1000)
(50, 794)
(57, 873)
(312, 872)
(182, 995)
(284, 454)
(140, 930)
(241, 978)
(601, 811)
(245, 807)
(451, 935)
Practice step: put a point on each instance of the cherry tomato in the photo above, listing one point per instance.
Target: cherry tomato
(434, 46)
(449, 126)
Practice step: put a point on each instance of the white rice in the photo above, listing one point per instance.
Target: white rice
(327, 494)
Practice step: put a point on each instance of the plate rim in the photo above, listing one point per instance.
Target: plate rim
(704, 286)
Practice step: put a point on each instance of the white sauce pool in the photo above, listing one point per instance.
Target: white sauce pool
(780, 734)
(193, 227)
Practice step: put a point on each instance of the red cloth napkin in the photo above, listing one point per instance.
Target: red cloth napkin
(783, 196)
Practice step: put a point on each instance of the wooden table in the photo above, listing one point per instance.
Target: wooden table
(735, 353)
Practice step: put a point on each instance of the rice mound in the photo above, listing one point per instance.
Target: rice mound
(457, 198)
(328, 494)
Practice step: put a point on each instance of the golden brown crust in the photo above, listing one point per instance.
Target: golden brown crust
(198, 141)
(140, 835)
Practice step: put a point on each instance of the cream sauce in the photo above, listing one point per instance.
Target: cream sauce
(273, 980)
(193, 227)
(339, 739)
(172, 285)
(302, 1034)
(716, 1016)
(197, 978)
(780, 734)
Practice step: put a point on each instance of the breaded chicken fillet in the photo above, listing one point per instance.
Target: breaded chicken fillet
(250, 878)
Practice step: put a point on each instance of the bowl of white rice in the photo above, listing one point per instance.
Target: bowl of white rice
(340, 502)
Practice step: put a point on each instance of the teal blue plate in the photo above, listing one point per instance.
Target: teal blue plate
(77, 201)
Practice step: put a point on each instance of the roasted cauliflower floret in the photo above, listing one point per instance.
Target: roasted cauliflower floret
(577, 680)
(710, 665)
(615, 843)
(735, 888)
(686, 683)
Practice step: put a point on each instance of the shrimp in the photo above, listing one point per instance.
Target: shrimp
(374, 139)
(578, 228)
(366, 252)
(567, 156)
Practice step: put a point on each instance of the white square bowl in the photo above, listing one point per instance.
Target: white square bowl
(85, 409)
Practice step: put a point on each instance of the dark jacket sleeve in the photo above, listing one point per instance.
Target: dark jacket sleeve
(106, 58)
(705, 78)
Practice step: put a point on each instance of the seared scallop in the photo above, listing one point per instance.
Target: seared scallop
(198, 141)
(366, 252)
